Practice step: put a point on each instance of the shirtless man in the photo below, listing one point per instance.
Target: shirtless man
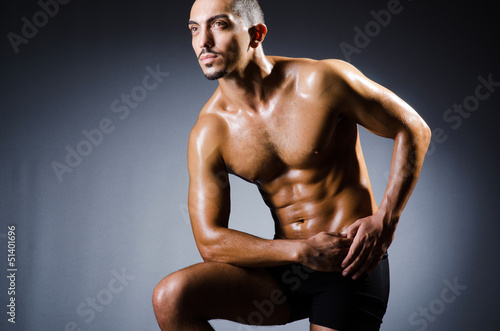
(289, 126)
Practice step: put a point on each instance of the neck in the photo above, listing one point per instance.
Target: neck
(245, 87)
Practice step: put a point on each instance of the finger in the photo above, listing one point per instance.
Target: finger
(361, 268)
(356, 268)
(352, 229)
(371, 262)
(353, 253)
(337, 234)
(374, 265)
(358, 265)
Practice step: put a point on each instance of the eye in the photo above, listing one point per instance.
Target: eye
(220, 24)
(193, 29)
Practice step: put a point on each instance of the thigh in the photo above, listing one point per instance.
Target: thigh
(372, 297)
(354, 305)
(223, 291)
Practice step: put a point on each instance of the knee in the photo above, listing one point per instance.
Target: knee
(167, 291)
(168, 295)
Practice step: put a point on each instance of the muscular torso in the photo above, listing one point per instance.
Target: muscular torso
(303, 155)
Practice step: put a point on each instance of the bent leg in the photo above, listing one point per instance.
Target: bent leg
(188, 298)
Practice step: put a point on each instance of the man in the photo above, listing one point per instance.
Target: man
(288, 126)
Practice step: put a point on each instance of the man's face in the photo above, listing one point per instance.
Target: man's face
(219, 37)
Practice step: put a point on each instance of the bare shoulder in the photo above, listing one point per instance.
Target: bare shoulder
(208, 134)
(315, 78)
(332, 71)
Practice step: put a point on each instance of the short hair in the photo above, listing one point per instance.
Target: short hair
(249, 10)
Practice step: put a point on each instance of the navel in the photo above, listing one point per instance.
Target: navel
(297, 225)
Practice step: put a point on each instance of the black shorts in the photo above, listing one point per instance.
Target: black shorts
(332, 300)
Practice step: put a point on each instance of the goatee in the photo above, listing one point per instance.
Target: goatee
(216, 75)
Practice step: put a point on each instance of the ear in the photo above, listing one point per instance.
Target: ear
(257, 34)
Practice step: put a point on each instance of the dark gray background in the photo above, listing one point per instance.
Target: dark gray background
(122, 210)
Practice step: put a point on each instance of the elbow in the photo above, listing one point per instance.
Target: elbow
(207, 253)
(211, 245)
(419, 135)
(427, 135)
(424, 135)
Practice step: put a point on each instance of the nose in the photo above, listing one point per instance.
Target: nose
(205, 39)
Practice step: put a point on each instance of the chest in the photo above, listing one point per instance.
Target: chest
(289, 135)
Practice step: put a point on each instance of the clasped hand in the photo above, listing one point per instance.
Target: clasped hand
(354, 252)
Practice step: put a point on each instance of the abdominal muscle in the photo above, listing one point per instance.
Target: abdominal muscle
(316, 211)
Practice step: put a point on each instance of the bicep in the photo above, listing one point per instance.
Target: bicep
(209, 195)
(374, 107)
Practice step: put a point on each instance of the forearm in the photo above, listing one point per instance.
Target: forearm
(408, 156)
(245, 250)
(374, 234)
